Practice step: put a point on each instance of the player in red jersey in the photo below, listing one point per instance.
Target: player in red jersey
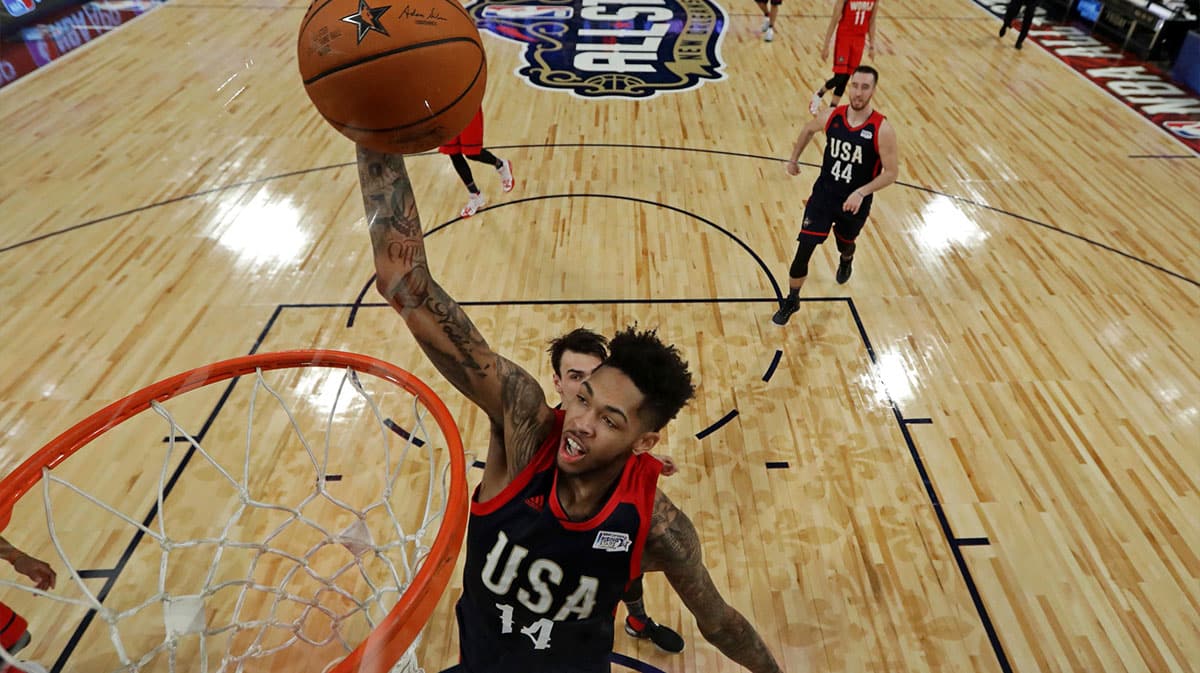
(854, 21)
(14, 630)
(469, 145)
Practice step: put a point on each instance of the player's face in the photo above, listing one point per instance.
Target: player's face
(862, 87)
(573, 369)
(601, 426)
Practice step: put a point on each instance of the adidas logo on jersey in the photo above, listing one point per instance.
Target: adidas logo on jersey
(537, 502)
(612, 541)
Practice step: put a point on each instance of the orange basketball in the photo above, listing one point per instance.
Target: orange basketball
(400, 77)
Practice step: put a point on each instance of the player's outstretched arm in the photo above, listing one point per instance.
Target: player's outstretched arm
(871, 28)
(35, 569)
(673, 547)
(508, 394)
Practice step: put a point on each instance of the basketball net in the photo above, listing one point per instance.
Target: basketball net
(274, 586)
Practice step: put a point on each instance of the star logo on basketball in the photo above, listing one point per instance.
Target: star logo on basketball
(611, 48)
(1184, 129)
(367, 19)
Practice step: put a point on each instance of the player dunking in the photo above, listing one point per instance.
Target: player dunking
(469, 145)
(567, 512)
(861, 158)
(854, 21)
(574, 356)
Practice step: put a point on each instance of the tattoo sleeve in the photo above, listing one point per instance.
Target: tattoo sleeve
(507, 393)
(527, 420)
(673, 547)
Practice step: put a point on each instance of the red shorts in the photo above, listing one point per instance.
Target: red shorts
(848, 53)
(12, 627)
(470, 141)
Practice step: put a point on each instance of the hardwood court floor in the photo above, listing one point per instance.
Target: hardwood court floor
(1013, 364)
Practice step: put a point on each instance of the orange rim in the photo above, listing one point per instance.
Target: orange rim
(384, 646)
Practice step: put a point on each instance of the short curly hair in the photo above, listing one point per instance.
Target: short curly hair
(657, 369)
(578, 340)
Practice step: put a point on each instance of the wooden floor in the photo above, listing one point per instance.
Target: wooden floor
(992, 432)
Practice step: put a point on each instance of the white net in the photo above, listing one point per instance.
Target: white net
(278, 556)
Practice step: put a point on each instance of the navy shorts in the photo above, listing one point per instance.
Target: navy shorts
(824, 214)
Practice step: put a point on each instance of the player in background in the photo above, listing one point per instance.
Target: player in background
(574, 356)
(860, 159)
(14, 630)
(854, 21)
(770, 9)
(469, 145)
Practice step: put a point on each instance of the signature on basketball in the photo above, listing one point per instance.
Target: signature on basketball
(430, 19)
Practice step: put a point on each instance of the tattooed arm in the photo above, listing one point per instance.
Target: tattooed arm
(512, 399)
(673, 547)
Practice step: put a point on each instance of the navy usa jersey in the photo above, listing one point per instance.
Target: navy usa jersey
(851, 157)
(540, 592)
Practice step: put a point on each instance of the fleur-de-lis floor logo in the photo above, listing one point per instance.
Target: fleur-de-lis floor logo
(611, 48)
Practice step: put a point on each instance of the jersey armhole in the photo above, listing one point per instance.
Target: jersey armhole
(645, 488)
(834, 113)
(541, 460)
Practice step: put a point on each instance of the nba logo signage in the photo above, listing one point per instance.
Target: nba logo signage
(20, 7)
(1184, 129)
(611, 48)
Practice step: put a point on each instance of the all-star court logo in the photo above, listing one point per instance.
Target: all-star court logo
(366, 19)
(611, 48)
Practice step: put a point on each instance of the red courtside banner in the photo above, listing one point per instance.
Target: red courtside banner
(29, 47)
(1143, 87)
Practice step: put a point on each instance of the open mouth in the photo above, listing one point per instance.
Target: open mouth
(571, 451)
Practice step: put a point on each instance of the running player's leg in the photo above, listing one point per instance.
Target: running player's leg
(502, 166)
(766, 12)
(1010, 13)
(818, 221)
(769, 30)
(836, 84)
(847, 56)
(639, 625)
(475, 200)
(1026, 21)
(846, 229)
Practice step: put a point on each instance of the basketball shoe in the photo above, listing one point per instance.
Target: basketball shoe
(663, 638)
(473, 205)
(789, 306)
(815, 105)
(768, 34)
(507, 182)
(844, 270)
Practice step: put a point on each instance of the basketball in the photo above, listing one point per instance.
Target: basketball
(399, 78)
